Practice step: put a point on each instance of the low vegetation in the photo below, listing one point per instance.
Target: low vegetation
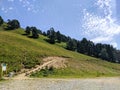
(19, 51)
(81, 68)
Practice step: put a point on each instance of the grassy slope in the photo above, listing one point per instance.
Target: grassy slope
(19, 51)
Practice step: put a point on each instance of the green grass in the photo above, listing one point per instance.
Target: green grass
(84, 69)
(19, 51)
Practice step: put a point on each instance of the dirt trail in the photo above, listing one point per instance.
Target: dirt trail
(56, 62)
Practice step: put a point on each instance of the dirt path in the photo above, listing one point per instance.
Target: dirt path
(56, 62)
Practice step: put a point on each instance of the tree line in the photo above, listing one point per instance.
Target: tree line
(104, 51)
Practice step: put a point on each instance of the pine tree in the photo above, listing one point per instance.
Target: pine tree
(58, 36)
(51, 36)
(103, 54)
(34, 32)
(72, 44)
(27, 30)
(13, 24)
(1, 20)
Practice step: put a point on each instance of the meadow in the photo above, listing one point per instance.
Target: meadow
(19, 51)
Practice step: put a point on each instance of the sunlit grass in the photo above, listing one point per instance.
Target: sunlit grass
(19, 51)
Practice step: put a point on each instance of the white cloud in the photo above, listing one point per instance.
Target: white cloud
(2, 8)
(101, 39)
(10, 0)
(29, 5)
(6, 10)
(10, 8)
(20, 0)
(28, 9)
(101, 29)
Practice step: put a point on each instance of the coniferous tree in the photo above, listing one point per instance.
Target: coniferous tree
(90, 48)
(58, 36)
(1, 20)
(98, 48)
(34, 32)
(13, 24)
(103, 54)
(83, 46)
(48, 33)
(110, 51)
(39, 31)
(28, 30)
(78, 46)
(117, 56)
(64, 38)
(72, 44)
(69, 45)
(44, 33)
(51, 34)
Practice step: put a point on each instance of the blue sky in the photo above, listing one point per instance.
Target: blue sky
(97, 20)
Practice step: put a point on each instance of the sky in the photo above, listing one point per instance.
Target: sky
(97, 20)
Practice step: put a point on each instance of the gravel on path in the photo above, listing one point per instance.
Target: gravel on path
(112, 83)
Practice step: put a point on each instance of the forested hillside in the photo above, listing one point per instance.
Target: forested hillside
(26, 48)
(104, 51)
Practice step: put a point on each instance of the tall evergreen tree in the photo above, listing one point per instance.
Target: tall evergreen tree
(117, 56)
(103, 54)
(34, 32)
(48, 33)
(39, 31)
(110, 51)
(1, 20)
(83, 46)
(72, 44)
(90, 48)
(28, 30)
(51, 35)
(64, 38)
(44, 33)
(58, 36)
(13, 24)
(98, 48)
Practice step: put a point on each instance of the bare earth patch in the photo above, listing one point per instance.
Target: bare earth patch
(58, 62)
(55, 62)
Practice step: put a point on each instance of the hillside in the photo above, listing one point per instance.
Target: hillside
(19, 51)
